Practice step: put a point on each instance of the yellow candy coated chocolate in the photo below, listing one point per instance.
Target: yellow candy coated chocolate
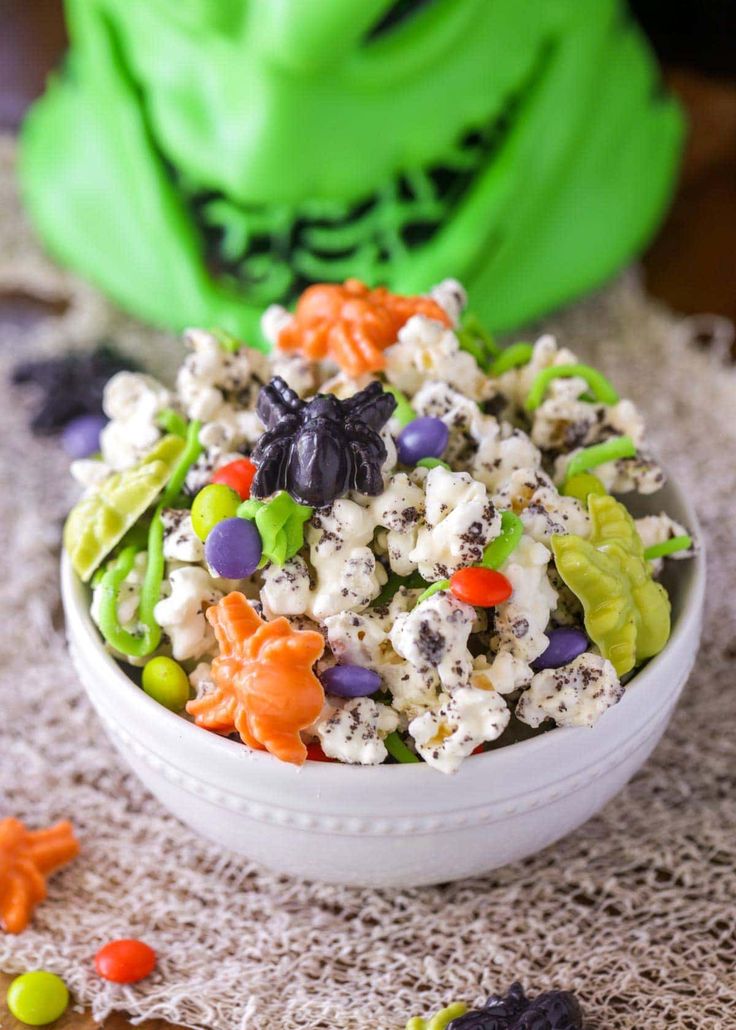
(100, 520)
(627, 614)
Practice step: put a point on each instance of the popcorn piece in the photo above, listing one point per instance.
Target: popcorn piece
(516, 383)
(181, 543)
(451, 297)
(575, 695)
(460, 520)
(295, 370)
(348, 575)
(433, 637)
(429, 350)
(543, 510)
(211, 459)
(181, 614)
(220, 389)
(353, 730)
(563, 422)
(399, 510)
(462, 416)
(286, 588)
(132, 401)
(502, 450)
(89, 472)
(469, 717)
(521, 621)
(656, 529)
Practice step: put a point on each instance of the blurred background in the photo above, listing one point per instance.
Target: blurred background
(690, 264)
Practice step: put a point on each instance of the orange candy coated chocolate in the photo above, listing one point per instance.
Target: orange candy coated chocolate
(352, 324)
(26, 859)
(125, 961)
(265, 688)
(480, 587)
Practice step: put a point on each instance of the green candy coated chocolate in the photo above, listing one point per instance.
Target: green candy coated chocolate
(213, 503)
(601, 388)
(280, 522)
(531, 184)
(399, 750)
(500, 549)
(591, 457)
(627, 614)
(432, 463)
(582, 485)
(440, 1020)
(403, 412)
(671, 546)
(512, 357)
(166, 682)
(100, 520)
(37, 998)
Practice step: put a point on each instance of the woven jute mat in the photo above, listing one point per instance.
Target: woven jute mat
(634, 911)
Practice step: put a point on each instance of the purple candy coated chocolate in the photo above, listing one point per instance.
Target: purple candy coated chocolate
(425, 437)
(233, 548)
(565, 643)
(81, 436)
(350, 681)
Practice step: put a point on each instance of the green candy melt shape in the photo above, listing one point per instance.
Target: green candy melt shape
(280, 522)
(627, 614)
(100, 520)
(441, 1020)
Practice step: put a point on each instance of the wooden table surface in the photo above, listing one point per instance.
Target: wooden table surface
(690, 264)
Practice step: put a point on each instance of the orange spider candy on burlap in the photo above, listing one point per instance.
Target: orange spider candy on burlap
(352, 324)
(265, 688)
(26, 858)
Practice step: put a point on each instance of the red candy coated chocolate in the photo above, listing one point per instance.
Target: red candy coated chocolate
(238, 475)
(125, 961)
(483, 588)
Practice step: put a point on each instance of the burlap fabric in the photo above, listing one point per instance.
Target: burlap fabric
(635, 911)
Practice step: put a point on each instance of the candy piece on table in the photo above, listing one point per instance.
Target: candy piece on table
(166, 682)
(600, 387)
(425, 437)
(565, 644)
(212, 504)
(627, 614)
(233, 548)
(280, 522)
(71, 385)
(403, 412)
(238, 475)
(80, 438)
(600, 453)
(37, 998)
(320, 449)
(350, 681)
(27, 857)
(503, 546)
(481, 587)
(352, 324)
(125, 961)
(512, 357)
(265, 686)
(582, 485)
(100, 520)
(441, 1020)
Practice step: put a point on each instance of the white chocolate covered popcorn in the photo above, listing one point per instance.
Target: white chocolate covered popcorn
(181, 614)
(575, 695)
(469, 717)
(132, 401)
(429, 350)
(433, 637)
(353, 730)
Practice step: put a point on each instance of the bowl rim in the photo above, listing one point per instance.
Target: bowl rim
(77, 614)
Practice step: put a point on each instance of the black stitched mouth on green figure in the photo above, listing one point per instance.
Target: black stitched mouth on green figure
(271, 253)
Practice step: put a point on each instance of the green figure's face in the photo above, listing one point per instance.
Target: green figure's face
(203, 158)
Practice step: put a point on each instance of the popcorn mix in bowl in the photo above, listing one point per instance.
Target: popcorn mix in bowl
(386, 541)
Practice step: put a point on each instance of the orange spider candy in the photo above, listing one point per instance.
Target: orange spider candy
(352, 324)
(26, 858)
(264, 684)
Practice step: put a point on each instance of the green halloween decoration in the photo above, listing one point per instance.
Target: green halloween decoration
(627, 614)
(199, 159)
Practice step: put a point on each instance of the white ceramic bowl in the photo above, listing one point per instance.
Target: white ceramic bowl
(392, 825)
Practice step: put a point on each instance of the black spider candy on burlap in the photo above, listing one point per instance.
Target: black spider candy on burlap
(69, 385)
(553, 1010)
(499, 1012)
(320, 449)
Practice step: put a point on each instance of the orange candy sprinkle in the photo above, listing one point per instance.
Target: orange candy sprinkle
(483, 588)
(352, 324)
(265, 688)
(27, 857)
(238, 475)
